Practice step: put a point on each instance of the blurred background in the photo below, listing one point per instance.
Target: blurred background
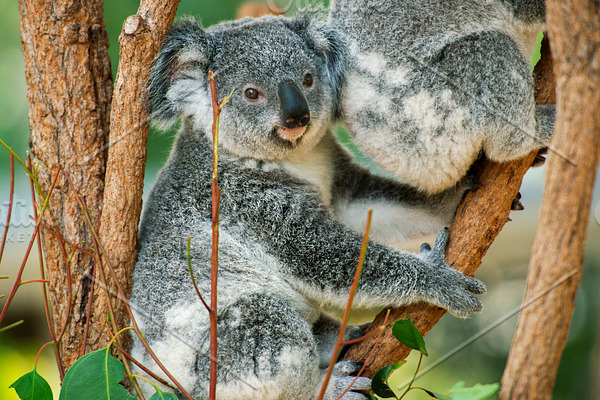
(504, 268)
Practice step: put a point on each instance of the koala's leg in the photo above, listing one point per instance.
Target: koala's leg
(326, 331)
(266, 351)
(494, 79)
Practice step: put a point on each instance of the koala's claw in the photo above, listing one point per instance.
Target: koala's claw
(458, 294)
(346, 368)
(476, 184)
(342, 378)
(540, 158)
(475, 286)
(516, 203)
(436, 256)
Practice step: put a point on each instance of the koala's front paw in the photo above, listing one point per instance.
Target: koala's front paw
(447, 287)
(342, 377)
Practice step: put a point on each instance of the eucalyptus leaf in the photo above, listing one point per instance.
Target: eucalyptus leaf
(407, 333)
(477, 392)
(379, 383)
(32, 386)
(95, 376)
(435, 395)
(160, 395)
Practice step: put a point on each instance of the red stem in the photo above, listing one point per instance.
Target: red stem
(371, 352)
(34, 281)
(10, 204)
(141, 366)
(340, 339)
(360, 339)
(194, 279)
(89, 310)
(134, 324)
(91, 297)
(69, 288)
(40, 352)
(25, 258)
(61, 370)
(214, 258)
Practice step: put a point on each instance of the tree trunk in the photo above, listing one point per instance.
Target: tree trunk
(70, 89)
(140, 41)
(559, 244)
(478, 221)
(67, 70)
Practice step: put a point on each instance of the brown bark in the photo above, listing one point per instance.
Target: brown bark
(559, 244)
(69, 89)
(140, 41)
(478, 221)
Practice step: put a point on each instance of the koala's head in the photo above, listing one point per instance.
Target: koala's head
(285, 75)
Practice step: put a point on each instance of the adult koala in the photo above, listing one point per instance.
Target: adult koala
(290, 234)
(432, 83)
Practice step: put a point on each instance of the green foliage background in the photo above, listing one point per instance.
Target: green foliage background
(504, 268)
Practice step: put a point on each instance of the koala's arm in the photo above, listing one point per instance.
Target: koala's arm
(320, 254)
(401, 212)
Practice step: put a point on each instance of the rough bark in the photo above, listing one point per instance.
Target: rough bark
(70, 91)
(559, 244)
(67, 70)
(140, 41)
(478, 221)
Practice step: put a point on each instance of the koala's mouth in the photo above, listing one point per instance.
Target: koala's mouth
(291, 135)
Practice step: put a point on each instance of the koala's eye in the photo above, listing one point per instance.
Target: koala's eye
(307, 81)
(251, 94)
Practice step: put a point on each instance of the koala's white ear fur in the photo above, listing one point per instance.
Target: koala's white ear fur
(185, 52)
(333, 48)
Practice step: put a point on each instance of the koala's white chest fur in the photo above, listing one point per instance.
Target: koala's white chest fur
(315, 166)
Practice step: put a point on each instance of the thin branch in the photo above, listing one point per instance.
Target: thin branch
(51, 331)
(18, 281)
(10, 204)
(380, 330)
(340, 340)
(214, 258)
(189, 260)
(478, 221)
(413, 377)
(559, 244)
(141, 366)
(101, 250)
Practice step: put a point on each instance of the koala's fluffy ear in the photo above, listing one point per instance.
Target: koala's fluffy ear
(185, 54)
(331, 46)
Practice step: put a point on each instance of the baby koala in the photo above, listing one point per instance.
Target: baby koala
(293, 206)
(432, 83)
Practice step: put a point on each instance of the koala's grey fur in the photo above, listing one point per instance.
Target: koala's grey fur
(291, 218)
(433, 82)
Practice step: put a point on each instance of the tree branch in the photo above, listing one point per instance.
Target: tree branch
(140, 41)
(479, 219)
(559, 243)
(67, 70)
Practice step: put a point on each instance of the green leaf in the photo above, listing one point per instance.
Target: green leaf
(160, 395)
(434, 394)
(95, 376)
(407, 333)
(379, 384)
(477, 392)
(32, 386)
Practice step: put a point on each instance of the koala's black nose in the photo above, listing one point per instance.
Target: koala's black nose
(294, 106)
